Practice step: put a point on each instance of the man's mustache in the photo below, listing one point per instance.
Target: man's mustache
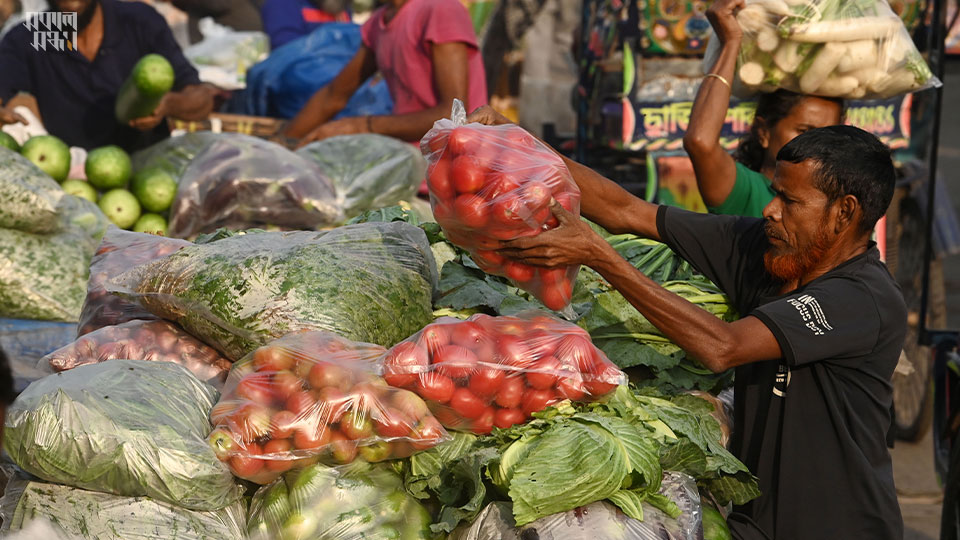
(771, 232)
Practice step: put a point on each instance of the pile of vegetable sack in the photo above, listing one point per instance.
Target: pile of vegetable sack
(852, 49)
(494, 183)
(47, 238)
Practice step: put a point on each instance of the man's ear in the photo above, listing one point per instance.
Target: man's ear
(763, 133)
(848, 213)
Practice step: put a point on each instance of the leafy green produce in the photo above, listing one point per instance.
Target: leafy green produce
(29, 198)
(574, 454)
(43, 277)
(126, 427)
(101, 516)
(367, 282)
(359, 501)
(370, 171)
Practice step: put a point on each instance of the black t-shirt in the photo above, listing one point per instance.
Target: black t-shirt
(811, 426)
(76, 96)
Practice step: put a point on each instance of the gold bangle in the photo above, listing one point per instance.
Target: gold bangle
(369, 124)
(718, 77)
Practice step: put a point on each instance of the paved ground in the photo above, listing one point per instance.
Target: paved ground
(920, 496)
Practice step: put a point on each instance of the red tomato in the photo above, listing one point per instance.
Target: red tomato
(324, 374)
(556, 296)
(410, 404)
(248, 464)
(466, 404)
(519, 272)
(597, 388)
(438, 179)
(301, 404)
(486, 381)
(461, 140)
(535, 195)
(403, 363)
(552, 275)
(434, 387)
(282, 459)
(537, 400)
(356, 425)
(499, 184)
(504, 418)
(455, 361)
(509, 210)
(270, 358)
(468, 174)
(448, 417)
(285, 384)
(434, 336)
(428, 434)
(332, 403)
(541, 343)
(483, 242)
(568, 200)
(483, 424)
(471, 210)
(545, 376)
(519, 139)
(467, 334)
(343, 449)
(489, 258)
(438, 141)
(578, 351)
(571, 387)
(256, 388)
(512, 351)
(511, 393)
(220, 411)
(250, 422)
(393, 423)
(282, 425)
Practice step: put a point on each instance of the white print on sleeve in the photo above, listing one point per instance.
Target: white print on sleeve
(811, 313)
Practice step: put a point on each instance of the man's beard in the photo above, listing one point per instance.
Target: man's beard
(791, 263)
(86, 16)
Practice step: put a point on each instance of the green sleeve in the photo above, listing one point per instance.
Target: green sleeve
(751, 193)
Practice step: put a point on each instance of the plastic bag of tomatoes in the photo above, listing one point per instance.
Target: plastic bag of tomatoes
(312, 397)
(493, 183)
(488, 372)
(120, 251)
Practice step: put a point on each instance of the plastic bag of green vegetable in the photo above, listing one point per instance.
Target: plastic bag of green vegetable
(598, 521)
(370, 282)
(852, 49)
(353, 502)
(125, 427)
(29, 198)
(370, 171)
(77, 513)
(43, 277)
(174, 154)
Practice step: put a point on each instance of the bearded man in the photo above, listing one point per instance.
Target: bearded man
(822, 328)
(76, 84)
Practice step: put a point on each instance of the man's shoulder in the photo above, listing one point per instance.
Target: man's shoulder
(18, 38)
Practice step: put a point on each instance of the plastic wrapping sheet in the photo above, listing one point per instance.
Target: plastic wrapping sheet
(241, 182)
(371, 282)
(494, 183)
(29, 198)
(25, 342)
(125, 427)
(369, 171)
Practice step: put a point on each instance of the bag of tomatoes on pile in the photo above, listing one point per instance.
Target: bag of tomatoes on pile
(488, 372)
(120, 251)
(313, 397)
(493, 183)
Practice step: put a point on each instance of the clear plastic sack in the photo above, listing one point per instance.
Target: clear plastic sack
(80, 514)
(313, 397)
(597, 521)
(118, 252)
(370, 282)
(370, 171)
(124, 427)
(489, 372)
(29, 198)
(493, 183)
(241, 182)
(851, 49)
(356, 502)
(175, 153)
(25, 342)
(156, 341)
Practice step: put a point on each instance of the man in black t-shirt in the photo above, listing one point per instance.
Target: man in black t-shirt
(822, 330)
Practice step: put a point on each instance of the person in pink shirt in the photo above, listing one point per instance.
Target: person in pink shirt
(426, 51)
